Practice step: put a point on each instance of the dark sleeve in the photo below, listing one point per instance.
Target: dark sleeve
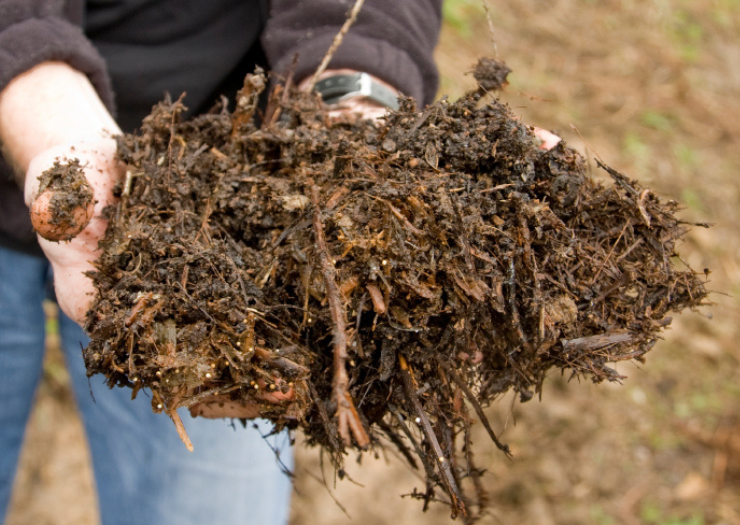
(391, 39)
(36, 31)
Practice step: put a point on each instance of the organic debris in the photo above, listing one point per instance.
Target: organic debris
(389, 279)
(491, 74)
(68, 201)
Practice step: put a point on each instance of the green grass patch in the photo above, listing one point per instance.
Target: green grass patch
(688, 34)
(656, 120)
(651, 513)
(691, 199)
(461, 14)
(686, 157)
(600, 517)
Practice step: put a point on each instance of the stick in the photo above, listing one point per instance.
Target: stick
(324, 416)
(428, 468)
(347, 417)
(181, 429)
(478, 410)
(336, 43)
(490, 28)
(443, 463)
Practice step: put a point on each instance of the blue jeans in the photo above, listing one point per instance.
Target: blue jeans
(143, 472)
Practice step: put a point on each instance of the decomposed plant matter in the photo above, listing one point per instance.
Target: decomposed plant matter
(389, 280)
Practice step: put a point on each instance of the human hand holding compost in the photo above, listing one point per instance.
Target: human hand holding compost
(60, 137)
(53, 113)
(67, 213)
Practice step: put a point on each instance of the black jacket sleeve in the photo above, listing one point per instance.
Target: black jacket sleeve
(36, 31)
(391, 39)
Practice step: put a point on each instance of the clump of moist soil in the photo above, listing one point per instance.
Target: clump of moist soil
(491, 74)
(65, 201)
(389, 279)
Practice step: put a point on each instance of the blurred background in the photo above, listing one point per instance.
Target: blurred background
(653, 88)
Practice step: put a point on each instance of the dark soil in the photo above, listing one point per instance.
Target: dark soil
(70, 203)
(491, 74)
(397, 277)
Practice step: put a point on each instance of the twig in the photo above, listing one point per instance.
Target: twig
(181, 429)
(641, 207)
(511, 282)
(490, 28)
(478, 410)
(596, 342)
(324, 416)
(428, 467)
(336, 43)
(400, 445)
(609, 255)
(599, 160)
(448, 478)
(347, 417)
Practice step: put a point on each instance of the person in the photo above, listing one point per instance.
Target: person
(73, 75)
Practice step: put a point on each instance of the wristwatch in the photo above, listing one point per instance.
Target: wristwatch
(337, 88)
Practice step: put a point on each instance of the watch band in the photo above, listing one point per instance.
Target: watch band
(336, 88)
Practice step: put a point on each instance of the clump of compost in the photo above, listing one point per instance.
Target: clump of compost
(64, 202)
(388, 278)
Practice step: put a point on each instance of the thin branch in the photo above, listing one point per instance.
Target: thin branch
(347, 416)
(443, 462)
(478, 410)
(181, 429)
(336, 43)
(490, 28)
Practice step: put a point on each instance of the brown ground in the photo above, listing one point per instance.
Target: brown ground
(653, 87)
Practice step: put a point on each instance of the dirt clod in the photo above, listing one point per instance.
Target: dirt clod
(491, 73)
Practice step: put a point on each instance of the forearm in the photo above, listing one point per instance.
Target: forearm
(50, 105)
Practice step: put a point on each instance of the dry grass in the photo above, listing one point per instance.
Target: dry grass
(653, 87)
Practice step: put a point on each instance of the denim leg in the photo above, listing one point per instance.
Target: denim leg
(22, 331)
(144, 474)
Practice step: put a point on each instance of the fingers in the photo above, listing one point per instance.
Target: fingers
(216, 409)
(549, 140)
(354, 106)
(220, 407)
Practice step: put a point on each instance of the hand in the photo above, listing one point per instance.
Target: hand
(71, 259)
(549, 140)
(362, 106)
(53, 112)
(217, 407)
